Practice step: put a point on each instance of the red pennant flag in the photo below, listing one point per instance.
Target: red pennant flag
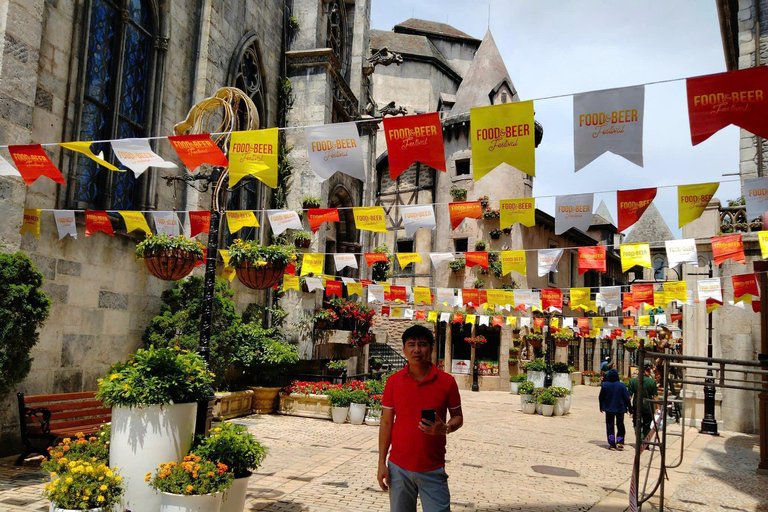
(653, 334)
(365, 282)
(412, 139)
(735, 97)
(628, 321)
(317, 216)
(584, 332)
(332, 288)
(551, 297)
(421, 315)
(373, 257)
(387, 295)
(642, 293)
(198, 149)
(476, 258)
(628, 302)
(483, 297)
(32, 162)
(199, 222)
(756, 306)
(464, 210)
(728, 247)
(458, 318)
(202, 261)
(384, 310)
(592, 258)
(744, 284)
(497, 321)
(538, 322)
(470, 297)
(631, 204)
(290, 269)
(582, 322)
(97, 220)
(676, 317)
(616, 333)
(398, 293)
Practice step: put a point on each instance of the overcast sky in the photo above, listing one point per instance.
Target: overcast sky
(564, 47)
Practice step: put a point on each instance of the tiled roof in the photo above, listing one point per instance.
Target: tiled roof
(432, 27)
(407, 44)
(650, 228)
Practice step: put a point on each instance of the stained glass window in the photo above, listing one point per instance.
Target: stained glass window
(116, 95)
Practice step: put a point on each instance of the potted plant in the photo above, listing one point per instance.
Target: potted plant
(340, 400)
(507, 230)
(560, 395)
(373, 417)
(630, 345)
(358, 399)
(336, 367)
(483, 201)
(647, 343)
(491, 214)
(259, 266)
(324, 318)
(233, 446)
(480, 245)
(513, 361)
(478, 283)
(375, 363)
(514, 383)
(457, 265)
(84, 485)
(561, 375)
(169, 258)
(594, 379)
(534, 339)
(528, 405)
(308, 202)
(458, 193)
(547, 401)
(536, 372)
(496, 233)
(92, 449)
(192, 485)
(587, 376)
(302, 239)
(360, 338)
(526, 390)
(154, 399)
(382, 270)
(563, 338)
(476, 341)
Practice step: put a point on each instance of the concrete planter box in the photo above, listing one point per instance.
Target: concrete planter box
(233, 404)
(264, 399)
(308, 406)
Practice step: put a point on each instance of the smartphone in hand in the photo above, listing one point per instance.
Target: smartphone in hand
(428, 414)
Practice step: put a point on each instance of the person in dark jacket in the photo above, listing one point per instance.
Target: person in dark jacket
(614, 402)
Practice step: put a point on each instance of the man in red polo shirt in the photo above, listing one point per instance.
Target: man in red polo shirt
(417, 455)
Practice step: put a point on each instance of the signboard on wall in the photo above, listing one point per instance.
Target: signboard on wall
(461, 366)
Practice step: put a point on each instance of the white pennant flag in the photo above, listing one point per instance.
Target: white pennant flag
(342, 260)
(483, 320)
(375, 293)
(710, 289)
(613, 322)
(445, 317)
(335, 147)
(681, 251)
(408, 313)
(458, 300)
(136, 155)
(415, 217)
(676, 335)
(609, 298)
(439, 257)
(573, 211)
(524, 298)
(7, 169)
(65, 223)
(280, 220)
(445, 296)
(525, 321)
(314, 283)
(548, 260)
(568, 322)
(166, 223)
(608, 120)
(756, 197)
(408, 294)
(348, 280)
(606, 333)
(660, 319)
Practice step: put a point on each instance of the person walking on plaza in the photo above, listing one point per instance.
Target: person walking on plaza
(614, 402)
(605, 366)
(650, 390)
(414, 427)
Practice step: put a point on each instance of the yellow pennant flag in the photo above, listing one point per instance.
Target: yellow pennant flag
(406, 258)
(470, 319)
(503, 133)
(712, 306)
(635, 254)
(422, 294)
(370, 218)
(85, 149)
(597, 322)
(386, 287)
(432, 316)
(238, 219)
(253, 153)
(518, 210)
(291, 283)
(675, 290)
(495, 297)
(397, 312)
(509, 298)
(355, 289)
(580, 298)
(228, 272)
(225, 256)
(692, 200)
(135, 220)
(312, 264)
(660, 299)
(594, 333)
(511, 320)
(592, 306)
(512, 261)
(763, 236)
(554, 322)
(31, 222)
(627, 333)
(645, 320)
(743, 298)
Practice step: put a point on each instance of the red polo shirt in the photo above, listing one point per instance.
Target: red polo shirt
(412, 449)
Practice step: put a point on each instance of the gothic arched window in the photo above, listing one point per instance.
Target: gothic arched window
(336, 28)
(659, 264)
(121, 42)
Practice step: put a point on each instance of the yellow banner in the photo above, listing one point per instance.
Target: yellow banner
(228, 272)
(645, 320)
(495, 297)
(512, 320)
(31, 222)
(518, 210)
(355, 289)
(432, 316)
(422, 294)
(597, 322)
(253, 153)
(763, 236)
(370, 218)
(627, 333)
(312, 264)
(509, 298)
(397, 312)
(135, 220)
(512, 261)
(238, 219)
(692, 200)
(594, 333)
(554, 322)
(470, 319)
(580, 298)
(503, 133)
(291, 283)
(225, 256)
(406, 258)
(660, 299)
(712, 306)
(675, 290)
(85, 149)
(635, 254)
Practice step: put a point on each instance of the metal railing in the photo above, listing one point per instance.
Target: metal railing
(391, 359)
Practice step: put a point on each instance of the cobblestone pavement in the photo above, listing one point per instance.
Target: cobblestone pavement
(501, 460)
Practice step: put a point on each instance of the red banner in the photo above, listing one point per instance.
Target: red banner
(728, 247)
(676, 317)
(736, 97)
(538, 322)
(629, 303)
(97, 220)
(373, 257)
(642, 293)
(582, 322)
(476, 258)
(458, 318)
(317, 216)
(628, 321)
(414, 138)
(384, 310)
(198, 149)
(631, 204)
(592, 258)
(199, 222)
(470, 297)
(616, 333)
(333, 288)
(421, 315)
(398, 293)
(584, 332)
(464, 210)
(653, 334)
(32, 162)
(483, 297)
(552, 297)
(497, 321)
(202, 261)
(290, 270)
(744, 284)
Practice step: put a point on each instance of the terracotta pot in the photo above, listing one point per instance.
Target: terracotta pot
(259, 277)
(171, 265)
(562, 344)
(630, 349)
(264, 399)
(535, 343)
(302, 244)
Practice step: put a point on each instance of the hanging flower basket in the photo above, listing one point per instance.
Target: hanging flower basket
(259, 267)
(476, 341)
(171, 265)
(260, 277)
(534, 340)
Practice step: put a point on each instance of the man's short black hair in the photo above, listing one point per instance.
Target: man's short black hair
(418, 332)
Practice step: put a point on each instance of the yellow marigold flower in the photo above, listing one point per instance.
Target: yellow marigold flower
(69, 479)
(110, 474)
(213, 374)
(103, 488)
(100, 499)
(101, 478)
(148, 477)
(118, 479)
(85, 498)
(125, 387)
(53, 475)
(217, 429)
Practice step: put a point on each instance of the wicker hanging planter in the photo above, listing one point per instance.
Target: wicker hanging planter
(562, 343)
(171, 265)
(260, 277)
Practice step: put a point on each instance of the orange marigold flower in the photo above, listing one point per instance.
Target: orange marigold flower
(190, 489)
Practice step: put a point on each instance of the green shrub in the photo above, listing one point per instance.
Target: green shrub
(339, 397)
(358, 396)
(337, 365)
(526, 388)
(537, 365)
(559, 392)
(260, 355)
(374, 387)
(234, 446)
(546, 398)
(518, 378)
(252, 251)
(561, 368)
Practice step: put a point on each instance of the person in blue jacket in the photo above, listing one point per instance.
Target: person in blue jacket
(614, 402)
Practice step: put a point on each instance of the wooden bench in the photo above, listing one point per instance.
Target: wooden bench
(45, 418)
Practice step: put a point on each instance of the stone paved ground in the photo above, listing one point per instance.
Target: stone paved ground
(501, 460)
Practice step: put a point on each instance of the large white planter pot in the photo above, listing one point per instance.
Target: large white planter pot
(562, 380)
(180, 503)
(373, 419)
(513, 387)
(529, 408)
(54, 508)
(537, 378)
(538, 408)
(586, 379)
(356, 414)
(143, 438)
(567, 404)
(233, 499)
(559, 409)
(547, 410)
(523, 399)
(339, 414)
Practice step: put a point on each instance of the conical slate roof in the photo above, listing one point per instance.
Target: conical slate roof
(650, 228)
(486, 72)
(602, 216)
